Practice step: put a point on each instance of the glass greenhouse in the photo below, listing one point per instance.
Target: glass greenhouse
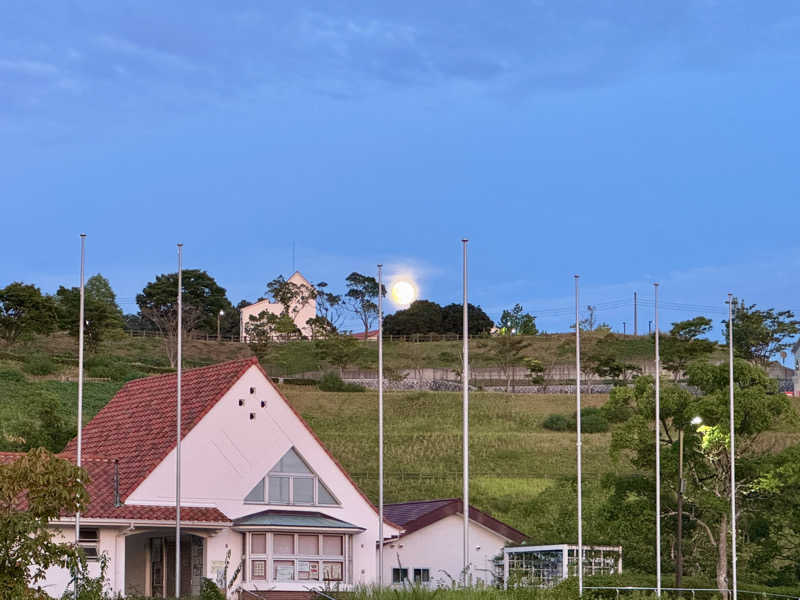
(545, 566)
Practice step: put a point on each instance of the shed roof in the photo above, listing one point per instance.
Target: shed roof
(294, 518)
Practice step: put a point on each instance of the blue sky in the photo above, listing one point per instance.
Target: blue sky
(629, 142)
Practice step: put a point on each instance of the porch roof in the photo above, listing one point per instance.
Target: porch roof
(294, 518)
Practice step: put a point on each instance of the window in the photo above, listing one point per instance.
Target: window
(88, 542)
(399, 575)
(291, 481)
(297, 556)
(422, 575)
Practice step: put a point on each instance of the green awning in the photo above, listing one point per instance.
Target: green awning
(294, 518)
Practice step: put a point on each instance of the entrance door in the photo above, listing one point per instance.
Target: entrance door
(186, 567)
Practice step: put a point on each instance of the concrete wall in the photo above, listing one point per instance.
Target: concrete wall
(227, 453)
(439, 547)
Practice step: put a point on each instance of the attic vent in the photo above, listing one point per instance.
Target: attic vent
(241, 402)
(252, 416)
(252, 390)
(263, 404)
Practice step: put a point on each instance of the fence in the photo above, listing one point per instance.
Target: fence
(195, 335)
(703, 592)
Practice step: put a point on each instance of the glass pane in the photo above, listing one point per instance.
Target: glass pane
(283, 544)
(259, 568)
(332, 571)
(291, 463)
(88, 535)
(256, 494)
(421, 575)
(332, 545)
(323, 495)
(279, 490)
(308, 545)
(284, 570)
(258, 543)
(399, 575)
(303, 490)
(308, 570)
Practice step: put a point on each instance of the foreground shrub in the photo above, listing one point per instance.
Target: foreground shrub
(592, 421)
(12, 375)
(39, 364)
(556, 422)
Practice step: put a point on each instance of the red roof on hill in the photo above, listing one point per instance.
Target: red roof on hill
(137, 427)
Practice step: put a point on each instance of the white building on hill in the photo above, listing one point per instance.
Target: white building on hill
(300, 312)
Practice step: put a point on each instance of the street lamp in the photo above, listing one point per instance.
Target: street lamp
(681, 489)
(221, 312)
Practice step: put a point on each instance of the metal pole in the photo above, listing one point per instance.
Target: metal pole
(733, 446)
(679, 549)
(578, 437)
(81, 324)
(658, 449)
(465, 435)
(178, 430)
(380, 425)
(635, 314)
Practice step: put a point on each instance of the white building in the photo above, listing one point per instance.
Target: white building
(256, 485)
(430, 549)
(300, 311)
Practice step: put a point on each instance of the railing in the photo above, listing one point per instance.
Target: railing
(693, 591)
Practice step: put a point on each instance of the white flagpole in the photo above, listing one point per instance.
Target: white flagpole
(733, 446)
(578, 427)
(178, 430)
(380, 426)
(81, 323)
(465, 435)
(658, 448)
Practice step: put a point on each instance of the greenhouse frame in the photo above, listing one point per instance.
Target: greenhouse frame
(545, 566)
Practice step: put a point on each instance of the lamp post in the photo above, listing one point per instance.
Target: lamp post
(219, 316)
(380, 425)
(681, 489)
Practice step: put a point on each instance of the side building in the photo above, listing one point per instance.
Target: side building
(300, 311)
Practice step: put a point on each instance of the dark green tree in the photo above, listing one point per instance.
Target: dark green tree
(478, 324)
(361, 299)
(507, 352)
(101, 312)
(339, 351)
(24, 311)
(423, 316)
(684, 345)
(758, 335)
(203, 298)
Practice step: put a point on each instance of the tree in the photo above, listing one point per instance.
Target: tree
(506, 352)
(684, 345)
(25, 311)
(362, 292)
(422, 316)
(329, 305)
(758, 335)
(609, 367)
(517, 322)
(588, 322)
(203, 298)
(759, 407)
(101, 312)
(338, 350)
(45, 487)
(479, 322)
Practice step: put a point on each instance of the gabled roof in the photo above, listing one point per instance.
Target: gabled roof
(293, 518)
(137, 426)
(413, 516)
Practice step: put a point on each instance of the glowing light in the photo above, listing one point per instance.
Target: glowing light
(403, 292)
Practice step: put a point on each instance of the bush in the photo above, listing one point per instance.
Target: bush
(12, 375)
(331, 382)
(39, 364)
(298, 381)
(108, 367)
(210, 591)
(556, 422)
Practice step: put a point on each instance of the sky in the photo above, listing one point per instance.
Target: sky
(628, 142)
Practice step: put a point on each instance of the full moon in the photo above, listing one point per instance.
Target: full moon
(403, 293)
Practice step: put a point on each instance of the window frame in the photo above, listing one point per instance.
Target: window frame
(90, 544)
(418, 571)
(322, 560)
(399, 575)
(291, 501)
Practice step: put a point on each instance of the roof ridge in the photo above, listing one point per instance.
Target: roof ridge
(423, 501)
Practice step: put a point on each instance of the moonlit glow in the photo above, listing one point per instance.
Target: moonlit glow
(403, 292)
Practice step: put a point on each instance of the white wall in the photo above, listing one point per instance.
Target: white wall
(57, 579)
(227, 453)
(439, 547)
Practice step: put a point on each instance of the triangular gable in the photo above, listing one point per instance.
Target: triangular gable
(291, 482)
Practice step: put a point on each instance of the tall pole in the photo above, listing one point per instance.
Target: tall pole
(658, 449)
(178, 430)
(81, 324)
(465, 435)
(733, 446)
(380, 425)
(578, 437)
(635, 314)
(679, 548)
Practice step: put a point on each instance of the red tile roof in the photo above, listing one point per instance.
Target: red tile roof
(137, 427)
(413, 516)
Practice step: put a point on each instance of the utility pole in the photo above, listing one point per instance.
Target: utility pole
(635, 314)
(624, 330)
(649, 327)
